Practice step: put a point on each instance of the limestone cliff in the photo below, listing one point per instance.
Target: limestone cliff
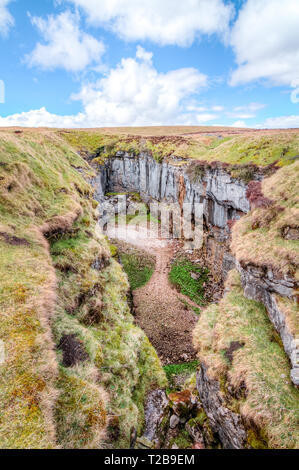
(225, 201)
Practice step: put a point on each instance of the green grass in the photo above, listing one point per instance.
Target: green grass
(138, 267)
(180, 277)
(179, 374)
(191, 307)
(175, 369)
(260, 149)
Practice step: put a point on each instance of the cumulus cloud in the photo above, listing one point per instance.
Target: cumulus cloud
(6, 20)
(66, 46)
(163, 22)
(133, 93)
(136, 93)
(41, 118)
(266, 42)
(246, 111)
(239, 124)
(281, 122)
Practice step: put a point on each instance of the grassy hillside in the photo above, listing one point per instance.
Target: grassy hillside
(230, 146)
(76, 368)
(254, 380)
(72, 354)
(261, 237)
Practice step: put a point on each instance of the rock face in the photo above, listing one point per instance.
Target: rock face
(260, 285)
(216, 194)
(223, 200)
(227, 424)
(157, 413)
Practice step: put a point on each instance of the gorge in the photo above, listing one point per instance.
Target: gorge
(244, 392)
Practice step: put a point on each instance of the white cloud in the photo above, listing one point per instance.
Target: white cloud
(41, 118)
(295, 92)
(239, 124)
(203, 118)
(217, 108)
(161, 21)
(246, 111)
(266, 42)
(66, 46)
(6, 20)
(250, 107)
(133, 93)
(282, 122)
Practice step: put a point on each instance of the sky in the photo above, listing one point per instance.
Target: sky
(100, 63)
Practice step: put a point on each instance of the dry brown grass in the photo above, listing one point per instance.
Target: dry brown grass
(258, 237)
(270, 402)
(39, 196)
(46, 204)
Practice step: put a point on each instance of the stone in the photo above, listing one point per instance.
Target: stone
(182, 403)
(174, 421)
(156, 413)
(291, 233)
(144, 443)
(218, 196)
(194, 431)
(224, 422)
(258, 287)
(195, 276)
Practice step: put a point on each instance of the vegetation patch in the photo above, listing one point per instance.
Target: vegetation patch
(189, 279)
(242, 148)
(258, 237)
(270, 406)
(178, 374)
(73, 355)
(139, 265)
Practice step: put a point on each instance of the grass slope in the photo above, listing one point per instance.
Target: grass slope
(258, 238)
(270, 404)
(230, 146)
(189, 279)
(58, 279)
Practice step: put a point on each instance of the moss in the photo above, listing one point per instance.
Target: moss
(182, 276)
(257, 440)
(244, 173)
(138, 266)
(183, 440)
(113, 250)
(80, 412)
(175, 369)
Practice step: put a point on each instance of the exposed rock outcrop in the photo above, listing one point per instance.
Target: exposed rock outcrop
(224, 422)
(259, 284)
(223, 198)
(157, 413)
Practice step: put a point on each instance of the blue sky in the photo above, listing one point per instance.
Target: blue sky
(90, 63)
